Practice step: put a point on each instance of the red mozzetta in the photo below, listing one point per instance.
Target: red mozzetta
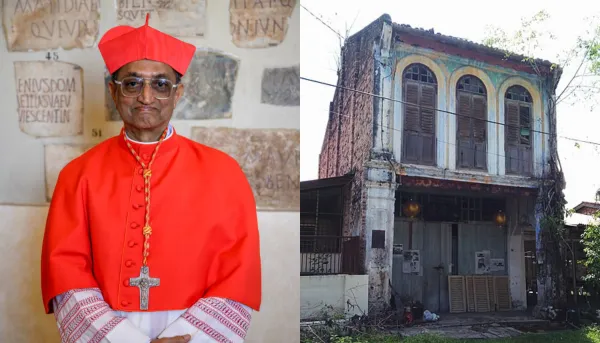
(204, 240)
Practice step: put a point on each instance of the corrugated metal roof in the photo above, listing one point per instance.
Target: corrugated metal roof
(459, 43)
(326, 183)
(465, 44)
(587, 208)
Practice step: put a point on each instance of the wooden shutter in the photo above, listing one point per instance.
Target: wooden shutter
(512, 137)
(412, 125)
(419, 123)
(502, 292)
(411, 113)
(427, 103)
(512, 159)
(457, 294)
(470, 293)
(464, 115)
(526, 155)
(526, 160)
(465, 151)
(525, 122)
(519, 156)
(492, 293)
(479, 125)
(512, 123)
(481, 294)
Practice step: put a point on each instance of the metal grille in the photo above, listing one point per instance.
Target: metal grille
(451, 208)
(329, 255)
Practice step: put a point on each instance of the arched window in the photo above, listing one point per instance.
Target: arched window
(471, 118)
(420, 101)
(517, 130)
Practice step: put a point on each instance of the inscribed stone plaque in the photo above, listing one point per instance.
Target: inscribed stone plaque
(57, 156)
(270, 159)
(49, 98)
(281, 86)
(175, 17)
(259, 23)
(209, 86)
(50, 24)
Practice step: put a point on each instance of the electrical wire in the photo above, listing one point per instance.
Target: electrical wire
(445, 111)
(454, 144)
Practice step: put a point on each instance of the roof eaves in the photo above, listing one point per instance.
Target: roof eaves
(469, 45)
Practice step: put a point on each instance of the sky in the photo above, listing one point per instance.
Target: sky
(320, 49)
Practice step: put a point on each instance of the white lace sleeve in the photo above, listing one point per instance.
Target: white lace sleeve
(212, 320)
(82, 316)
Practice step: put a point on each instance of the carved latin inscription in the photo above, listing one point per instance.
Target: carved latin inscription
(174, 17)
(50, 24)
(259, 23)
(49, 98)
(270, 159)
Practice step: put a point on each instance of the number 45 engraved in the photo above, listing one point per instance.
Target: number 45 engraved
(52, 56)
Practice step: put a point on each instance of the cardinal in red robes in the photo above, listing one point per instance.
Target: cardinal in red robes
(150, 237)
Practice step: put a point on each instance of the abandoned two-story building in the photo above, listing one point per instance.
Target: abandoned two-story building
(430, 165)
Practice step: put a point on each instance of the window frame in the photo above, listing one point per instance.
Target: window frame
(426, 79)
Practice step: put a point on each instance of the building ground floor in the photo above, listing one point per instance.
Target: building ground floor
(446, 246)
(466, 248)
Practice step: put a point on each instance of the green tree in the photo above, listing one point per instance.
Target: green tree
(591, 244)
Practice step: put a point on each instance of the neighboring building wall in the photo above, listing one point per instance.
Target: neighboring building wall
(349, 135)
(333, 295)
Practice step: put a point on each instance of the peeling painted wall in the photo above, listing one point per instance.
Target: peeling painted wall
(448, 69)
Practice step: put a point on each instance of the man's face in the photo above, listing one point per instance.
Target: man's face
(145, 112)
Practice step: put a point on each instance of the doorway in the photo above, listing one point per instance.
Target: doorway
(530, 272)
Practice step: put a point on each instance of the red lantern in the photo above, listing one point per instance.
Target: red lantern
(411, 209)
(500, 218)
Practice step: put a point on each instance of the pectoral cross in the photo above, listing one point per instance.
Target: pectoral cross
(144, 282)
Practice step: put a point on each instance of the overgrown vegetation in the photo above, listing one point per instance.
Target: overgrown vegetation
(588, 335)
(591, 243)
(581, 82)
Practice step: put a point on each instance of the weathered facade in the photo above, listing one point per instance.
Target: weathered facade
(458, 128)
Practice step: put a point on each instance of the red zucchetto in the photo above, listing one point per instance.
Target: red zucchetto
(124, 44)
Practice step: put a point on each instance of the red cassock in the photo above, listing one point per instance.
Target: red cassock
(204, 240)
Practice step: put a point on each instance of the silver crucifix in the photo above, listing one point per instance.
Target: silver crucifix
(144, 282)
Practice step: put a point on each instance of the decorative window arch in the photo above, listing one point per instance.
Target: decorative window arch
(419, 92)
(518, 112)
(471, 113)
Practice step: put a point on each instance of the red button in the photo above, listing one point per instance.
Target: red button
(139, 188)
(136, 206)
(125, 303)
(145, 156)
(126, 283)
(134, 225)
(129, 263)
(140, 171)
(131, 244)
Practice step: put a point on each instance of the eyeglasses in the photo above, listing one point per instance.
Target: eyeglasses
(132, 87)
